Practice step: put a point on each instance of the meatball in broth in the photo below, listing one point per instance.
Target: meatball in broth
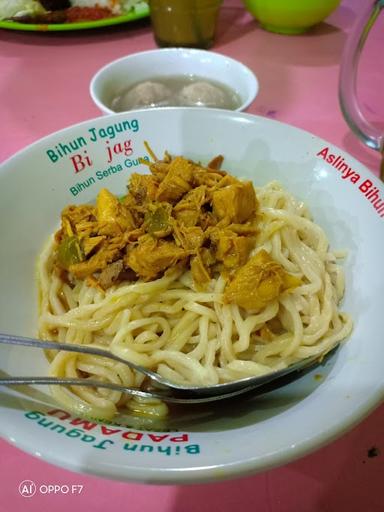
(176, 91)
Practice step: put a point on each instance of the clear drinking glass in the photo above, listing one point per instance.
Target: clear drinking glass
(366, 131)
(184, 23)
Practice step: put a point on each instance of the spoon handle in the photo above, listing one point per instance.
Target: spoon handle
(11, 339)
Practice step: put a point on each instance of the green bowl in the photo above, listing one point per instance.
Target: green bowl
(290, 16)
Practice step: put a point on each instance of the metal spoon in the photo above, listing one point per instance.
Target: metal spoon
(160, 387)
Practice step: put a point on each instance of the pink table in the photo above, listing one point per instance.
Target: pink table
(44, 82)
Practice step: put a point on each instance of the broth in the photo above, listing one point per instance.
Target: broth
(176, 91)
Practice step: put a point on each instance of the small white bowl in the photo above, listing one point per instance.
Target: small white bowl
(118, 75)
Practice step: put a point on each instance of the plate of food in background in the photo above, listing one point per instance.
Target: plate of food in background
(63, 15)
(207, 245)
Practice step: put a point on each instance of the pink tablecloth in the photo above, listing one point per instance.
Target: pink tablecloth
(44, 81)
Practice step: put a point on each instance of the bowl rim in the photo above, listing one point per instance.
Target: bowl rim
(206, 473)
(253, 82)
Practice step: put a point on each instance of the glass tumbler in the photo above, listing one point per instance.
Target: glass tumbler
(184, 23)
(366, 131)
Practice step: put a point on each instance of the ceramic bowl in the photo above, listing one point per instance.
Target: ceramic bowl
(120, 74)
(204, 443)
(290, 17)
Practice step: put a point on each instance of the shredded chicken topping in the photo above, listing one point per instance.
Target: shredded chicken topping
(182, 214)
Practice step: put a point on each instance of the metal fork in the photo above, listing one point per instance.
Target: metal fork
(160, 387)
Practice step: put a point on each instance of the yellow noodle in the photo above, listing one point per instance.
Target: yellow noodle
(193, 337)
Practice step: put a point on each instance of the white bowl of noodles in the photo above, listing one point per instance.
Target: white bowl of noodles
(320, 220)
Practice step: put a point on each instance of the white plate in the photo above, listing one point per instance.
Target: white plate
(213, 442)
